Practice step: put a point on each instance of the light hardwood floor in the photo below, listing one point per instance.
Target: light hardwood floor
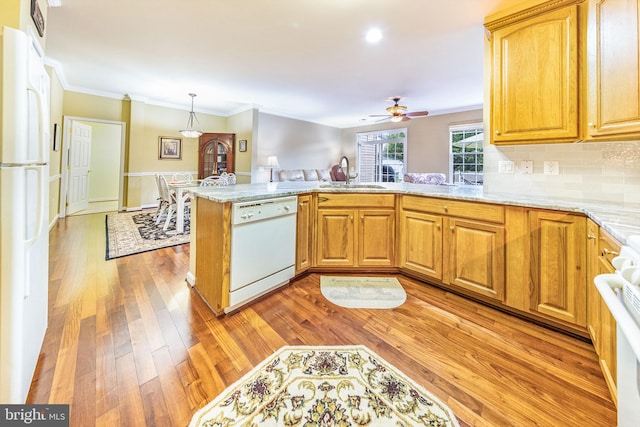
(130, 344)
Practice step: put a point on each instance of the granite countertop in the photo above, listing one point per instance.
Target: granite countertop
(619, 220)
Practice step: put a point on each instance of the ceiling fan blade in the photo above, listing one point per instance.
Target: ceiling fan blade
(417, 114)
(379, 115)
(405, 118)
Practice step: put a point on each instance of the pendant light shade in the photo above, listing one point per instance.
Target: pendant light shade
(190, 132)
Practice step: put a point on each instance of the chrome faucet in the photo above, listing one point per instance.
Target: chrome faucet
(346, 173)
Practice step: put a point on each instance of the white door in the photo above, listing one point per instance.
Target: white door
(79, 162)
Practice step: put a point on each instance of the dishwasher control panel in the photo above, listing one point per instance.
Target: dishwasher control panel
(257, 210)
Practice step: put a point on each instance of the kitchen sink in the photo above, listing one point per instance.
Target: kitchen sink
(353, 186)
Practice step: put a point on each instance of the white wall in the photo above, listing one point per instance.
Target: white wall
(296, 143)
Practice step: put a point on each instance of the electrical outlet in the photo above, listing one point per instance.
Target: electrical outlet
(551, 167)
(526, 166)
(505, 166)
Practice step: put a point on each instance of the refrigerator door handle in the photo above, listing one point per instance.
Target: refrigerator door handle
(31, 240)
(42, 114)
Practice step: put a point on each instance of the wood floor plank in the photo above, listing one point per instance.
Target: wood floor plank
(130, 344)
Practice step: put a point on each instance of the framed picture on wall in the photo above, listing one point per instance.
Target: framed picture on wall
(170, 148)
(243, 145)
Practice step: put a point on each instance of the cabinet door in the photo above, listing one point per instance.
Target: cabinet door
(376, 238)
(335, 237)
(614, 69)
(558, 270)
(607, 344)
(421, 243)
(608, 248)
(303, 234)
(535, 79)
(476, 257)
(593, 296)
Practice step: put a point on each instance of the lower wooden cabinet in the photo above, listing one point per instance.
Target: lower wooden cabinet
(355, 230)
(467, 252)
(303, 233)
(600, 323)
(476, 257)
(558, 266)
(420, 248)
(376, 237)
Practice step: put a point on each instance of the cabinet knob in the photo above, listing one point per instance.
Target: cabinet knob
(351, 217)
(437, 226)
(591, 125)
(591, 236)
(610, 252)
(497, 132)
(446, 208)
(452, 228)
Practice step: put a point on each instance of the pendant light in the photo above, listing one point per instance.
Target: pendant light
(190, 132)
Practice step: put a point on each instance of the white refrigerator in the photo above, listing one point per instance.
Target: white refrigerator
(24, 211)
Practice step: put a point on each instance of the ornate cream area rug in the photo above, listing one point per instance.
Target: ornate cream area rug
(363, 292)
(130, 233)
(325, 386)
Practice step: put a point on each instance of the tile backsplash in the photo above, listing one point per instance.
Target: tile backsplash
(599, 172)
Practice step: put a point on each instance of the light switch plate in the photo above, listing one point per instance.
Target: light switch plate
(551, 167)
(526, 166)
(505, 166)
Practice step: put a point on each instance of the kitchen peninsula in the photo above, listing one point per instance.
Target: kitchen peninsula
(453, 236)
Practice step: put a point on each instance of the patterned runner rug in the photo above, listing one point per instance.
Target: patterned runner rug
(363, 292)
(134, 232)
(325, 386)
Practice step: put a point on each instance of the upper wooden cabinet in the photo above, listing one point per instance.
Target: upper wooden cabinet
(534, 81)
(613, 69)
(216, 154)
(565, 71)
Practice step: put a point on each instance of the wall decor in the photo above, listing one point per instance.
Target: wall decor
(56, 137)
(36, 15)
(243, 145)
(170, 148)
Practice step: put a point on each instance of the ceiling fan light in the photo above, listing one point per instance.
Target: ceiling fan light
(190, 132)
(396, 119)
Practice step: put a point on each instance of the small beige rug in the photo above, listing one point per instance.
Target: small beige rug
(363, 292)
(323, 387)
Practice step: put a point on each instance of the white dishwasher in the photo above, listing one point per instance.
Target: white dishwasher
(263, 247)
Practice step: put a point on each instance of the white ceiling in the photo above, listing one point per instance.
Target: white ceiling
(306, 59)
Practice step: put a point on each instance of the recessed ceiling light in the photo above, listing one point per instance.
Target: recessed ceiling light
(374, 35)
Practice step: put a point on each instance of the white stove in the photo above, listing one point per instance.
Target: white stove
(621, 293)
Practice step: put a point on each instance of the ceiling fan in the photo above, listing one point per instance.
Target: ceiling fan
(398, 113)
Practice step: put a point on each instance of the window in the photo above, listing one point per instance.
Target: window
(466, 153)
(381, 155)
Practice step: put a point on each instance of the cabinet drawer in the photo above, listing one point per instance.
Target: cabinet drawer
(342, 200)
(471, 210)
(608, 247)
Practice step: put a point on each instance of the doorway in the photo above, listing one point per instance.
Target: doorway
(92, 169)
